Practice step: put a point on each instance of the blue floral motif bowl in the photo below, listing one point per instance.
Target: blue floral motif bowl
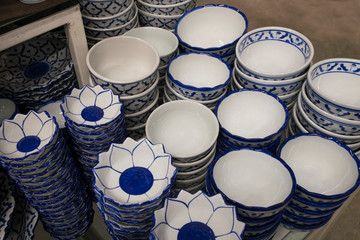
(167, 22)
(196, 216)
(103, 8)
(168, 9)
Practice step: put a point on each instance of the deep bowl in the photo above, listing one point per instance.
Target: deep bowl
(167, 9)
(8, 109)
(167, 22)
(103, 8)
(274, 53)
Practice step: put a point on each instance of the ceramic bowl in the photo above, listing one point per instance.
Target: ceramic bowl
(278, 88)
(274, 53)
(125, 64)
(142, 161)
(332, 169)
(165, 42)
(201, 215)
(103, 33)
(112, 21)
(326, 120)
(8, 109)
(168, 9)
(103, 8)
(198, 76)
(138, 102)
(332, 84)
(262, 188)
(238, 112)
(167, 22)
(186, 128)
(54, 110)
(163, 2)
(212, 29)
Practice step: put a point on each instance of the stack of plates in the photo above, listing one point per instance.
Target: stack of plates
(35, 156)
(130, 190)
(94, 119)
(37, 71)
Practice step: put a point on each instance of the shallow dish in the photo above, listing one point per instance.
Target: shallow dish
(274, 53)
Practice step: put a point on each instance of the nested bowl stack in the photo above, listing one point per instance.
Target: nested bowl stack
(163, 14)
(132, 180)
(34, 154)
(213, 29)
(326, 172)
(188, 130)
(258, 183)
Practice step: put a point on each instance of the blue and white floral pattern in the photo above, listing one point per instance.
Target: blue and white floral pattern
(103, 8)
(196, 216)
(173, 9)
(134, 172)
(160, 21)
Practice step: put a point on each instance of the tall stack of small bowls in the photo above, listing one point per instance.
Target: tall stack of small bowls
(94, 119)
(37, 159)
(165, 42)
(199, 77)
(274, 59)
(329, 102)
(163, 13)
(213, 29)
(326, 172)
(258, 183)
(130, 190)
(188, 130)
(129, 67)
(107, 18)
(250, 118)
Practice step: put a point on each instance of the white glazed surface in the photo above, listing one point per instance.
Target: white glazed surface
(251, 114)
(185, 128)
(320, 165)
(199, 70)
(54, 110)
(211, 27)
(7, 108)
(123, 59)
(252, 178)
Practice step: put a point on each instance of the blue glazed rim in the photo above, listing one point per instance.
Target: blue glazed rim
(211, 48)
(204, 89)
(352, 154)
(250, 140)
(253, 208)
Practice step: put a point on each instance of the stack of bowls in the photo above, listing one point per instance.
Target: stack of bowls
(107, 18)
(37, 71)
(165, 42)
(129, 67)
(250, 118)
(130, 190)
(36, 157)
(213, 29)
(259, 184)
(197, 76)
(162, 13)
(326, 172)
(7, 203)
(94, 119)
(274, 59)
(201, 215)
(8, 109)
(188, 130)
(328, 103)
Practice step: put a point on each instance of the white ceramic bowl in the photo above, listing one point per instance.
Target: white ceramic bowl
(167, 9)
(125, 64)
(274, 53)
(322, 166)
(165, 42)
(198, 76)
(103, 8)
(154, 20)
(185, 128)
(326, 120)
(212, 28)
(332, 86)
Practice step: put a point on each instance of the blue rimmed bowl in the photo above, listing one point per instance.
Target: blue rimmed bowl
(274, 53)
(198, 76)
(166, 9)
(103, 8)
(213, 29)
(332, 84)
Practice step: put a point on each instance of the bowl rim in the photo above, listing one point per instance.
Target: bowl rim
(148, 108)
(335, 140)
(276, 28)
(199, 49)
(114, 16)
(147, 14)
(319, 93)
(193, 88)
(125, 38)
(148, 90)
(160, 6)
